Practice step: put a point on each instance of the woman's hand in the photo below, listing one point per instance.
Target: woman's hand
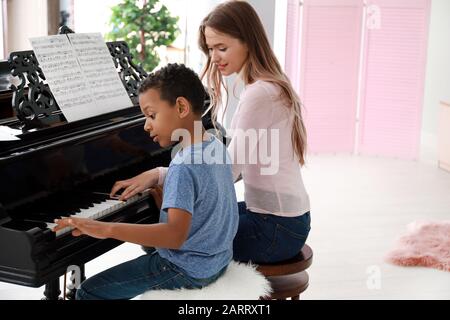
(136, 184)
(93, 228)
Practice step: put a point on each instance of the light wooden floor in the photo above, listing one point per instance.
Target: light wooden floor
(359, 206)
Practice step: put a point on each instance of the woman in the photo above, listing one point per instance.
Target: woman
(274, 220)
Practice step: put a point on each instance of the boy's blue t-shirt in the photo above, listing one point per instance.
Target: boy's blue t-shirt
(200, 181)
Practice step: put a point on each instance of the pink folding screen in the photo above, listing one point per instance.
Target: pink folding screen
(330, 52)
(393, 79)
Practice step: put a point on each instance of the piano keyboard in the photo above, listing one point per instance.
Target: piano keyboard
(97, 211)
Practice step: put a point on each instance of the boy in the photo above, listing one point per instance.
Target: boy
(199, 214)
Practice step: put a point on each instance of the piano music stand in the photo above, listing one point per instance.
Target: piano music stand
(33, 100)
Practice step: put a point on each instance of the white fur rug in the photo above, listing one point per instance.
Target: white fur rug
(239, 282)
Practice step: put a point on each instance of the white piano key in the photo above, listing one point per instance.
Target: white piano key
(97, 211)
(60, 232)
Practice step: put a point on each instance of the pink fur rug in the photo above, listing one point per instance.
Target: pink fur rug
(425, 244)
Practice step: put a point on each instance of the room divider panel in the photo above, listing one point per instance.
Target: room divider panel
(359, 67)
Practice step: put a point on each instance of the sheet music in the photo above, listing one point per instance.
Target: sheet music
(8, 134)
(81, 74)
(100, 72)
(64, 76)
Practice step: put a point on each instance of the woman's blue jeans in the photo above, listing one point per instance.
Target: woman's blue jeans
(267, 238)
(134, 277)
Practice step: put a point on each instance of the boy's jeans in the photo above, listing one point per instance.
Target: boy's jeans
(134, 277)
(266, 238)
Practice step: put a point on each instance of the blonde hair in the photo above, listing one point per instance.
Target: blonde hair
(239, 20)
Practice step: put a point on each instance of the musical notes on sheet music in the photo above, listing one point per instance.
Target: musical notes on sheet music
(64, 76)
(81, 74)
(98, 67)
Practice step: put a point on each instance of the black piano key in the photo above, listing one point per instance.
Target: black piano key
(43, 218)
(75, 202)
(63, 205)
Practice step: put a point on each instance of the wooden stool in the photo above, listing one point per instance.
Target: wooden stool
(288, 278)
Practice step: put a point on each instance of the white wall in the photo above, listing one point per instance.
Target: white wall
(26, 19)
(266, 12)
(437, 81)
(92, 16)
(279, 33)
(195, 58)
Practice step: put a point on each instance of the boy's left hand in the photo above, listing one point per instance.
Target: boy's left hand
(93, 228)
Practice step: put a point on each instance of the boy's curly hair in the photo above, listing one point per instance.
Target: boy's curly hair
(176, 80)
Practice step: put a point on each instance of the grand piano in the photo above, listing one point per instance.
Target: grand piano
(59, 169)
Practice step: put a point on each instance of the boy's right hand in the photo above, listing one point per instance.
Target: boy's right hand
(136, 184)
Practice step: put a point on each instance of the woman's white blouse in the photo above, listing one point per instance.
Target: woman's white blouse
(262, 152)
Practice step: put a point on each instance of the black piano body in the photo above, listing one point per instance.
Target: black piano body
(55, 177)
(56, 168)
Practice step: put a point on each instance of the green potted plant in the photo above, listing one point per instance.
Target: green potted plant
(144, 25)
